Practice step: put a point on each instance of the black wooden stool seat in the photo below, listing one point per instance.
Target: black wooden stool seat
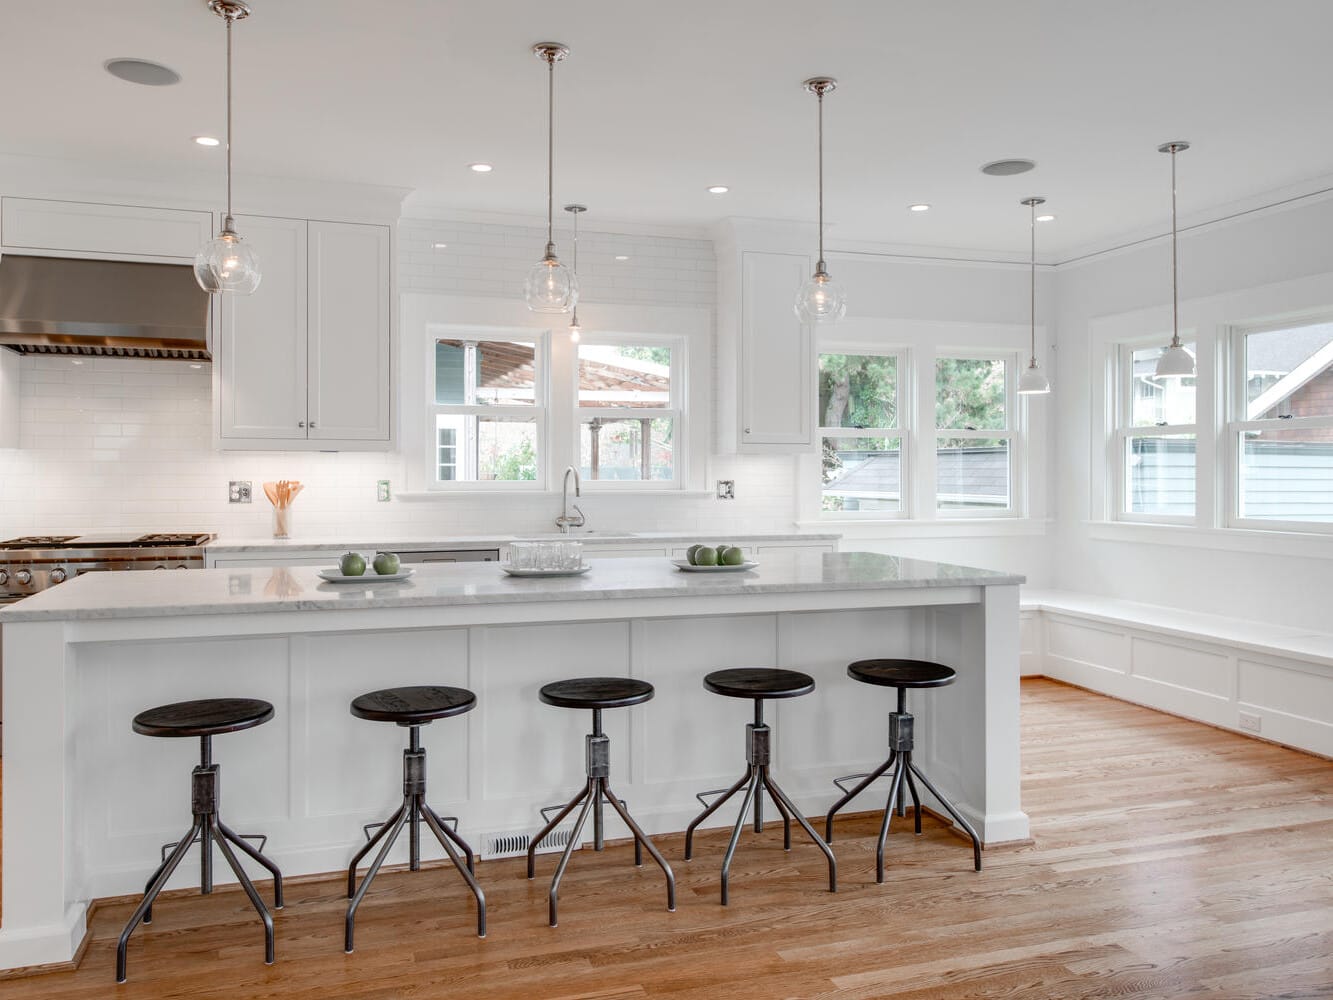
(758, 683)
(900, 674)
(412, 707)
(204, 718)
(595, 693)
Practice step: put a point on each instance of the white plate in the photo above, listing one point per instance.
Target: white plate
(546, 572)
(370, 576)
(684, 564)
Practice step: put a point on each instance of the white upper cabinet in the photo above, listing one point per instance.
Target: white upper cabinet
(82, 229)
(348, 361)
(766, 360)
(304, 362)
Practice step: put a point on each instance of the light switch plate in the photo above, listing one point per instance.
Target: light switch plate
(238, 491)
(382, 490)
(726, 489)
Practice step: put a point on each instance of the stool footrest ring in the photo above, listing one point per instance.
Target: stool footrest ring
(261, 837)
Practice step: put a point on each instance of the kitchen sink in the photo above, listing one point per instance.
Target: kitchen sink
(576, 533)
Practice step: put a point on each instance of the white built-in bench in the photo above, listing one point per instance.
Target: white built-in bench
(1268, 680)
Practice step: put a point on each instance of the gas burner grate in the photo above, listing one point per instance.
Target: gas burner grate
(35, 541)
(173, 538)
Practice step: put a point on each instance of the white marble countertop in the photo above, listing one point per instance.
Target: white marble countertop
(233, 591)
(609, 536)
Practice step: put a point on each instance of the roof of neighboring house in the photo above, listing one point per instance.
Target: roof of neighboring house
(980, 472)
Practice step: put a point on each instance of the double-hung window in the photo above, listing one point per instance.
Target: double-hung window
(975, 406)
(1281, 426)
(863, 436)
(487, 418)
(1154, 453)
(629, 412)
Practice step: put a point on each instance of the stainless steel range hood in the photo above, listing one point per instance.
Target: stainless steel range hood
(57, 305)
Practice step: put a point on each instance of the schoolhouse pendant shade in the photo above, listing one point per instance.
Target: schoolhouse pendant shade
(1033, 381)
(821, 299)
(227, 263)
(550, 287)
(1175, 361)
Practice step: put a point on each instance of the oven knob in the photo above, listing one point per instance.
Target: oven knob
(58, 575)
(159, 567)
(4, 577)
(23, 577)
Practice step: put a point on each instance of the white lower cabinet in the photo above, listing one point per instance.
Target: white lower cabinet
(304, 362)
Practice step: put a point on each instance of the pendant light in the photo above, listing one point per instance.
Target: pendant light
(228, 263)
(821, 299)
(550, 287)
(575, 329)
(1175, 362)
(1033, 381)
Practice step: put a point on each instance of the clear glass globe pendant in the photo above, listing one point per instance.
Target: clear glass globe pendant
(550, 286)
(227, 264)
(821, 299)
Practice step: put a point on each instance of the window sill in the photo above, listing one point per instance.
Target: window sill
(971, 527)
(1309, 544)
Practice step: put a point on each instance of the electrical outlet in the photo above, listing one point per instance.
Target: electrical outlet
(726, 489)
(238, 491)
(382, 490)
(1250, 722)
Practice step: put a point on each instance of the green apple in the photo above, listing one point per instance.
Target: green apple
(705, 556)
(734, 556)
(691, 552)
(352, 564)
(386, 563)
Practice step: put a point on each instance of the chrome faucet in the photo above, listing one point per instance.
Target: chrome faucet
(566, 520)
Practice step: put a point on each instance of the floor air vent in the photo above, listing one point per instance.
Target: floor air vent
(512, 845)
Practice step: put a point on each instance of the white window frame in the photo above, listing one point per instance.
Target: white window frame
(539, 410)
(1238, 422)
(905, 409)
(1121, 432)
(1013, 434)
(677, 411)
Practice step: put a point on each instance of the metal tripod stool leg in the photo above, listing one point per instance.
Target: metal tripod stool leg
(594, 795)
(900, 674)
(411, 814)
(206, 830)
(758, 779)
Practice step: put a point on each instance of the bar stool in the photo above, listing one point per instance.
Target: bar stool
(900, 674)
(759, 683)
(596, 693)
(412, 708)
(205, 719)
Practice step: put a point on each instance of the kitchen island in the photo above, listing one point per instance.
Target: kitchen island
(87, 803)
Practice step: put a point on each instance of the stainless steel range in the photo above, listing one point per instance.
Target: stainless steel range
(35, 562)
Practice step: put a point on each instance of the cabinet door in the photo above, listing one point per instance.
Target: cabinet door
(78, 228)
(349, 362)
(777, 356)
(261, 344)
(9, 398)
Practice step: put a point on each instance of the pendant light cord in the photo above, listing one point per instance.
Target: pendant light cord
(1033, 313)
(550, 154)
(1175, 277)
(820, 95)
(227, 225)
(574, 319)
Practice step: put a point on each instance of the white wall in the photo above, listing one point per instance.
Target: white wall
(1226, 269)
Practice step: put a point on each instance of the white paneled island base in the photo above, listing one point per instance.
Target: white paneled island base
(88, 803)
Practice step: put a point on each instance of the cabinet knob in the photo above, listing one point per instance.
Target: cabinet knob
(747, 430)
(312, 425)
(300, 423)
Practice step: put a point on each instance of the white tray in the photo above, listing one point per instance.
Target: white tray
(684, 564)
(546, 572)
(370, 576)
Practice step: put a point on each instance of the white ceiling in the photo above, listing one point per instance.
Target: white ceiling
(659, 100)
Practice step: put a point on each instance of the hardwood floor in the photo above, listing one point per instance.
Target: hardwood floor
(1169, 859)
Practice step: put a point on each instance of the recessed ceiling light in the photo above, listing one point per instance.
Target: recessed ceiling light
(1007, 168)
(141, 71)
(207, 140)
(1046, 218)
(621, 256)
(480, 168)
(439, 246)
(718, 189)
(919, 208)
